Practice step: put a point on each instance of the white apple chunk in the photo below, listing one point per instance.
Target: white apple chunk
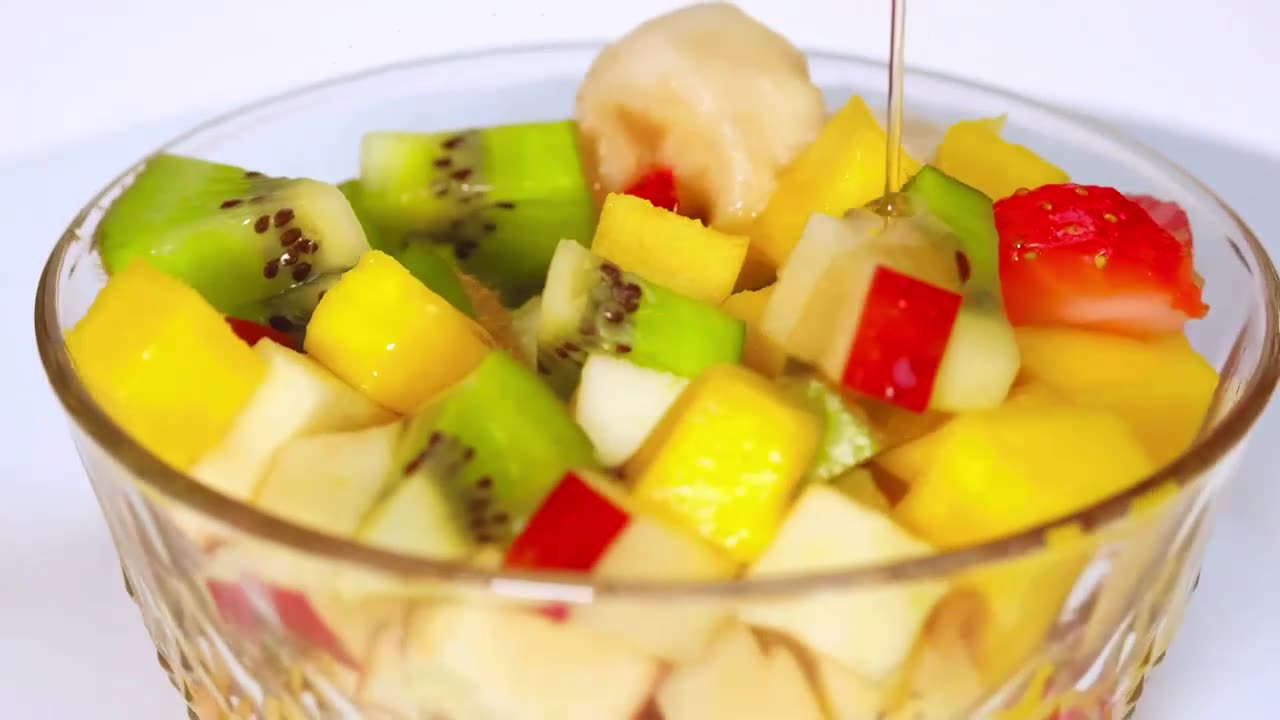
(328, 482)
(472, 663)
(297, 397)
(648, 549)
(737, 680)
(869, 630)
(618, 403)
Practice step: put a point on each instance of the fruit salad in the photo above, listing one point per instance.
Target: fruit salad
(668, 338)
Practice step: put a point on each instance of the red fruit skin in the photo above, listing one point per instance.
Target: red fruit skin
(233, 605)
(658, 186)
(1087, 256)
(1168, 215)
(301, 621)
(902, 333)
(251, 332)
(569, 531)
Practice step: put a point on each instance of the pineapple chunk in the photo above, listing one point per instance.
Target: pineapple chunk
(665, 248)
(163, 363)
(1162, 388)
(1030, 460)
(387, 334)
(868, 630)
(843, 168)
(725, 459)
(759, 353)
(973, 152)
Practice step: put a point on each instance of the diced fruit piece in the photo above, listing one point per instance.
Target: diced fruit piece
(737, 680)
(390, 336)
(980, 363)
(843, 168)
(296, 397)
(416, 518)
(465, 661)
(968, 214)
(327, 482)
(939, 676)
(618, 403)
(848, 438)
(1162, 388)
(859, 484)
(999, 471)
(687, 90)
(1168, 215)
(650, 549)
(496, 442)
(726, 458)
(868, 630)
(759, 352)
(501, 197)
(570, 530)
(845, 694)
(658, 186)
(902, 333)
(163, 363)
(590, 305)
(237, 237)
(524, 323)
(973, 152)
(290, 311)
(251, 332)
(1087, 256)
(673, 251)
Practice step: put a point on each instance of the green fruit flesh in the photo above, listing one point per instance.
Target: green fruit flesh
(848, 437)
(966, 212)
(497, 443)
(237, 237)
(428, 262)
(501, 198)
(590, 305)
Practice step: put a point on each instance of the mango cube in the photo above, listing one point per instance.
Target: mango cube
(759, 353)
(391, 337)
(998, 471)
(676, 252)
(163, 363)
(1161, 387)
(843, 168)
(973, 152)
(726, 458)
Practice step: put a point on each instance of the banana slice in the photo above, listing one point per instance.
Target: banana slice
(709, 92)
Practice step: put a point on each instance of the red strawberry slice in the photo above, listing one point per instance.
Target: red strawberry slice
(1087, 256)
(658, 186)
(1168, 215)
(251, 332)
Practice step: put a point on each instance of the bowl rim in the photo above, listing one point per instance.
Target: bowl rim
(178, 487)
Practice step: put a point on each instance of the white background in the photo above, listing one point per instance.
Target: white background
(86, 86)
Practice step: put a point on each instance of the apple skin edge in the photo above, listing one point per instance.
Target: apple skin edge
(296, 615)
(570, 530)
(901, 336)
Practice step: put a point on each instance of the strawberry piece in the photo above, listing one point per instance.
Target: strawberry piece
(1168, 215)
(251, 332)
(902, 333)
(1087, 256)
(658, 186)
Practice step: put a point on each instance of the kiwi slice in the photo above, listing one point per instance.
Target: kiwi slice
(591, 305)
(497, 442)
(428, 262)
(500, 198)
(236, 236)
(848, 436)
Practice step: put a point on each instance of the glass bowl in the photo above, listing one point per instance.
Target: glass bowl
(255, 617)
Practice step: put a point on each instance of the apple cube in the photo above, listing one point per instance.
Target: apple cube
(297, 397)
(738, 680)
(388, 335)
(726, 459)
(570, 530)
(662, 247)
(465, 661)
(870, 631)
(618, 403)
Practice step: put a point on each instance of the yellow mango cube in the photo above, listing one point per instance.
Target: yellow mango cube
(163, 363)
(843, 168)
(726, 458)
(391, 337)
(676, 252)
(973, 152)
(1036, 457)
(1161, 387)
(759, 352)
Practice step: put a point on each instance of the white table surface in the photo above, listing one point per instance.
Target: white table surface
(90, 86)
